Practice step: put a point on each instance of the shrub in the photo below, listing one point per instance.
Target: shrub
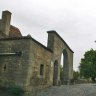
(16, 91)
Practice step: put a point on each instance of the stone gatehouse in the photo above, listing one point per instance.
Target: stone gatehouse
(29, 64)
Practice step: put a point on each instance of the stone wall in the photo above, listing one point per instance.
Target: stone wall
(14, 67)
(20, 61)
(29, 64)
(59, 46)
(39, 55)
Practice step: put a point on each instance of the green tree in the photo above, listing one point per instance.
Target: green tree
(88, 65)
(75, 75)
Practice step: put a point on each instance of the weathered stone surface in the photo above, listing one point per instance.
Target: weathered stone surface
(16, 66)
(59, 46)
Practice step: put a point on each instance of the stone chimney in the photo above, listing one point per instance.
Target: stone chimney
(5, 25)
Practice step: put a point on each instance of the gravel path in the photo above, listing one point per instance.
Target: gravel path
(69, 90)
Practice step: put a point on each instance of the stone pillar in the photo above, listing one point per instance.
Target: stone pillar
(50, 42)
(5, 25)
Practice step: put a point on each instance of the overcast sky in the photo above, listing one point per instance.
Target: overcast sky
(74, 20)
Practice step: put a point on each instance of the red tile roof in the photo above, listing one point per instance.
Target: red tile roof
(14, 32)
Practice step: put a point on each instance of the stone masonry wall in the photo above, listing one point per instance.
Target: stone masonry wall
(33, 68)
(58, 45)
(14, 68)
(39, 54)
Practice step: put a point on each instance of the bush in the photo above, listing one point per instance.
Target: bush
(16, 91)
(11, 90)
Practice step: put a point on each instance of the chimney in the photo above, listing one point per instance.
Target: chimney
(5, 26)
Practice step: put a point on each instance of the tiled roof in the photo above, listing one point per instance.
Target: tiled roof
(14, 32)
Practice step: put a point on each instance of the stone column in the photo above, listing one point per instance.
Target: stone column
(5, 23)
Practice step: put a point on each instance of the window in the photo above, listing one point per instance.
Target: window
(4, 67)
(41, 69)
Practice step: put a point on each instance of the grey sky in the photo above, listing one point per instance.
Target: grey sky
(74, 20)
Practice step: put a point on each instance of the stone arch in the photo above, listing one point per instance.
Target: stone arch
(55, 73)
(59, 46)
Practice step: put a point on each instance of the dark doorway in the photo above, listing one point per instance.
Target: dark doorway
(55, 73)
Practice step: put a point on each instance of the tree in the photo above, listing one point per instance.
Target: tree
(75, 75)
(88, 65)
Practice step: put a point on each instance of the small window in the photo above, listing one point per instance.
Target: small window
(41, 69)
(4, 67)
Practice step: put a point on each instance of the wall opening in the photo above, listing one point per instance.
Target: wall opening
(61, 68)
(55, 73)
(64, 67)
(41, 69)
(4, 67)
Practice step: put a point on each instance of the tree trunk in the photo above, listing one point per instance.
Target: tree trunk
(93, 79)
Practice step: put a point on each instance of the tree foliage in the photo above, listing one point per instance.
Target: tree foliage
(75, 75)
(88, 65)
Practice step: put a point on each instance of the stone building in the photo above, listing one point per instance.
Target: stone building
(29, 64)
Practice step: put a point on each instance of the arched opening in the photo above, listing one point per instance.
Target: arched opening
(61, 68)
(55, 73)
(64, 67)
